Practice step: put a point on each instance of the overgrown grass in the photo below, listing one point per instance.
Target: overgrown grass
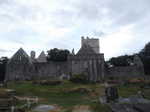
(57, 94)
(97, 107)
(132, 89)
(50, 94)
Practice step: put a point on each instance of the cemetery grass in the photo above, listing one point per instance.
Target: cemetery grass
(64, 95)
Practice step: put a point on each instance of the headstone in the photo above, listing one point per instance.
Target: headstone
(111, 94)
(44, 108)
(134, 100)
(6, 101)
(12, 109)
(140, 94)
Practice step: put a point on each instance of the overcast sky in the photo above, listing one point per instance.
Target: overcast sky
(123, 26)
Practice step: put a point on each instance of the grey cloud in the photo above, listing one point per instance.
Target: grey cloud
(63, 18)
(14, 12)
(121, 12)
(20, 35)
(4, 2)
(3, 50)
(98, 33)
(83, 17)
(125, 12)
(88, 10)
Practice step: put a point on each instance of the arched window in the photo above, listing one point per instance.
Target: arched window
(20, 58)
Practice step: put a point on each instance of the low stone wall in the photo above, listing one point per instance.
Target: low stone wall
(127, 71)
(51, 69)
(19, 71)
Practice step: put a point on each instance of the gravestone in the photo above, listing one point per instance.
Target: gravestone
(6, 100)
(111, 94)
(44, 108)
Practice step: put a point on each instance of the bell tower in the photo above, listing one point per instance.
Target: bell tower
(92, 42)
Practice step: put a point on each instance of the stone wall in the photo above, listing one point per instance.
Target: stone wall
(94, 43)
(134, 70)
(19, 67)
(91, 65)
(127, 71)
(88, 60)
(19, 71)
(50, 69)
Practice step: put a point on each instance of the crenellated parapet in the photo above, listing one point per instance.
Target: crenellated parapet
(88, 60)
(92, 42)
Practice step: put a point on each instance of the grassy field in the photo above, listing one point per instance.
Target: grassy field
(67, 95)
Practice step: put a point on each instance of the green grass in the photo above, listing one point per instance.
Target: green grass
(97, 107)
(126, 91)
(132, 89)
(59, 94)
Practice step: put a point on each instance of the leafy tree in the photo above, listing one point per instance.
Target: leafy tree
(57, 55)
(121, 60)
(145, 51)
(3, 62)
(144, 54)
(145, 57)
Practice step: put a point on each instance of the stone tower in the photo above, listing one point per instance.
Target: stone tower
(33, 54)
(92, 42)
(88, 60)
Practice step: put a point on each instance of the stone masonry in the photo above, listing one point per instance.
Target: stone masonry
(88, 61)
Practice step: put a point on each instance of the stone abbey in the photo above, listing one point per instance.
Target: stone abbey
(88, 60)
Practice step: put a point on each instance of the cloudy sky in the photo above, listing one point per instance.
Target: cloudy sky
(123, 26)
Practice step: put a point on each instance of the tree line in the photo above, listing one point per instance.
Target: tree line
(125, 60)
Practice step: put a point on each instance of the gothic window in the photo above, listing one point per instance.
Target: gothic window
(20, 58)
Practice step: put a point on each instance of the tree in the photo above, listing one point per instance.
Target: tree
(145, 51)
(3, 62)
(144, 54)
(121, 60)
(57, 55)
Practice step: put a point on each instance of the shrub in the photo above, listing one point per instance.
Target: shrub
(79, 78)
(78, 90)
(48, 82)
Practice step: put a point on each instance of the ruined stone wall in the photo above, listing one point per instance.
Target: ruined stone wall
(135, 70)
(50, 69)
(19, 71)
(91, 65)
(128, 71)
(19, 67)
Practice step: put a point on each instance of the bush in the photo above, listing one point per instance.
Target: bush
(48, 82)
(82, 90)
(79, 78)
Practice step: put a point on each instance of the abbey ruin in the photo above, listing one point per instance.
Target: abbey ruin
(88, 60)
